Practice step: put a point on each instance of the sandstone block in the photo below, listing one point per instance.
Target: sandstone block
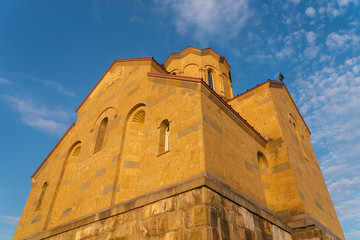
(200, 215)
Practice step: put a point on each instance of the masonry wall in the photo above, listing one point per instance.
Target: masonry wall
(32, 219)
(310, 181)
(231, 148)
(258, 108)
(94, 180)
(199, 213)
(295, 177)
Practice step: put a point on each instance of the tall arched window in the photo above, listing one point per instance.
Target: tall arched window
(43, 190)
(210, 79)
(101, 135)
(164, 136)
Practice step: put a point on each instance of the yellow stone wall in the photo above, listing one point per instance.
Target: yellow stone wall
(310, 182)
(230, 149)
(257, 107)
(295, 179)
(94, 181)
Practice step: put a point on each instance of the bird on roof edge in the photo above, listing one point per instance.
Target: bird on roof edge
(281, 77)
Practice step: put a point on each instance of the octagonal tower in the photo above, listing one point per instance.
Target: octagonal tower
(205, 64)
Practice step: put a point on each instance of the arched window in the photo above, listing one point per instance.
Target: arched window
(164, 136)
(43, 190)
(210, 79)
(101, 135)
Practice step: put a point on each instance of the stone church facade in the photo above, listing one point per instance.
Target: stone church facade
(167, 152)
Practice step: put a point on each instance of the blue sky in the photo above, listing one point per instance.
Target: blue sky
(52, 53)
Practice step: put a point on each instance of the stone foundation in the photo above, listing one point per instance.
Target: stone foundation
(200, 208)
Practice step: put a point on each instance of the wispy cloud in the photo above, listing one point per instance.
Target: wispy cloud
(10, 220)
(96, 10)
(295, 2)
(4, 81)
(201, 18)
(342, 39)
(59, 88)
(2, 190)
(39, 116)
(7, 233)
(311, 52)
(287, 51)
(54, 85)
(343, 3)
(351, 185)
(353, 235)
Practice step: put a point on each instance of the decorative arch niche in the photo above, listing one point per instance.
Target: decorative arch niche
(63, 198)
(264, 173)
(132, 149)
(191, 70)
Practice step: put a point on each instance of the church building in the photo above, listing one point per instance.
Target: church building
(165, 151)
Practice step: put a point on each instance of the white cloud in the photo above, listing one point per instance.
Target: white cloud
(342, 39)
(350, 209)
(55, 85)
(353, 234)
(356, 69)
(10, 220)
(311, 52)
(39, 116)
(4, 81)
(331, 9)
(207, 18)
(310, 12)
(354, 23)
(285, 52)
(343, 3)
(295, 2)
(326, 58)
(311, 37)
(349, 185)
(59, 88)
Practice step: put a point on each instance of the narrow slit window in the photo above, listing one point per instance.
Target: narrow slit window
(167, 135)
(211, 81)
(164, 136)
(101, 135)
(43, 190)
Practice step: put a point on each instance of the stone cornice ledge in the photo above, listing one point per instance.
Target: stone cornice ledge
(306, 220)
(198, 181)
